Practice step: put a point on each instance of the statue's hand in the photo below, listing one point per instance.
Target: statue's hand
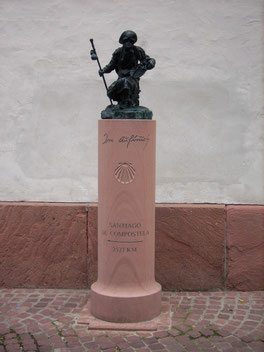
(101, 72)
(151, 64)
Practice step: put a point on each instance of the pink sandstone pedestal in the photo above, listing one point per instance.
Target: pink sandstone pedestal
(126, 290)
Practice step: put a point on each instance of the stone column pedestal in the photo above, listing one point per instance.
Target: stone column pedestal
(126, 290)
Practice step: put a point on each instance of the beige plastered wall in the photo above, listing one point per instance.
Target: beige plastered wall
(206, 94)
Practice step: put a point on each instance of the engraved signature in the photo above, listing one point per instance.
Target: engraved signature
(134, 139)
(128, 140)
(107, 139)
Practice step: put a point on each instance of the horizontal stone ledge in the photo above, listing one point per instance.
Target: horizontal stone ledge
(55, 245)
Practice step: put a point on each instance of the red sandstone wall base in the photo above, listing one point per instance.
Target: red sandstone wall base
(43, 245)
(245, 248)
(198, 247)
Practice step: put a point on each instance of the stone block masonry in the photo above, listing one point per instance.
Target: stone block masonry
(43, 245)
(190, 242)
(198, 247)
(245, 247)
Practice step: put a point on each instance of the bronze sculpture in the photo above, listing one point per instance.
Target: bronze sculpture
(130, 63)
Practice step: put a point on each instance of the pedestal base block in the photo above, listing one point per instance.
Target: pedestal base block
(126, 290)
(126, 309)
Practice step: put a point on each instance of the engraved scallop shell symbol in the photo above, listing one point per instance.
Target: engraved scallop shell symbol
(125, 173)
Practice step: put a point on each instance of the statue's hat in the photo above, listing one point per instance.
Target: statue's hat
(128, 35)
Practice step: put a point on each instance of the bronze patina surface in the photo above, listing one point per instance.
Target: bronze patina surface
(130, 63)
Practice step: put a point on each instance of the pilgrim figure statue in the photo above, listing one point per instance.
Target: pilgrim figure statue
(130, 63)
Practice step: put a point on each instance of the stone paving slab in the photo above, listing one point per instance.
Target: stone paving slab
(46, 320)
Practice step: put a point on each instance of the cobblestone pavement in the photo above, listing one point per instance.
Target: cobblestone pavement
(46, 320)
